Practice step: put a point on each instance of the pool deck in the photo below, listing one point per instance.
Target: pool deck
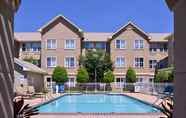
(147, 98)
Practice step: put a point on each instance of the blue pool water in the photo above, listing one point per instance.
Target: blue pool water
(97, 103)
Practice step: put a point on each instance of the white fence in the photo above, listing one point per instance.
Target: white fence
(147, 88)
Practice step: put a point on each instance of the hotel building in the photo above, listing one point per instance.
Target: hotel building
(60, 43)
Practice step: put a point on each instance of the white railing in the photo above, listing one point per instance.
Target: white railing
(147, 88)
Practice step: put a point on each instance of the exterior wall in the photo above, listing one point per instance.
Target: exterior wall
(36, 80)
(6, 58)
(60, 32)
(130, 52)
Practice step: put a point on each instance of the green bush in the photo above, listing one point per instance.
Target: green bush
(108, 77)
(162, 76)
(82, 76)
(131, 75)
(60, 75)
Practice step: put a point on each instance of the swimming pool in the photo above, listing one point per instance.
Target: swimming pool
(96, 103)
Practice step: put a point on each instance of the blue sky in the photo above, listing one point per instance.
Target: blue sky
(96, 15)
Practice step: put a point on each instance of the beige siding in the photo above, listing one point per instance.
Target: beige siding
(130, 52)
(60, 32)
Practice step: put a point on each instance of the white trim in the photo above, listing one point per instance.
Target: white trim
(120, 64)
(74, 62)
(139, 44)
(135, 63)
(65, 46)
(120, 43)
(130, 22)
(55, 18)
(47, 62)
(47, 44)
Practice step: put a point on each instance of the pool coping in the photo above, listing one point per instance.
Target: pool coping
(98, 113)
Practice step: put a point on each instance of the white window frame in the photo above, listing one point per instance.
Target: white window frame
(66, 66)
(70, 47)
(120, 65)
(138, 45)
(55, 47)
(120, 44)
(138, 63)
(53, 66)
(152, 66)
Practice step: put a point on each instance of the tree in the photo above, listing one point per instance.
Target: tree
(82, 76)
(161, 76)
(171, 76)
(96, 62)
(108, 77)
(131, 75)
(60, 75)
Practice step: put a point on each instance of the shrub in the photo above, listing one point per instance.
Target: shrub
(161, 76)
(131, 75)
(108, 77)
(60, 75)
(82, 76)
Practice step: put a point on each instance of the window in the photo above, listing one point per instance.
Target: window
(31, 46)
(140, 79)
(153, 49)
(51, 44)
(150, 80)
(139, 62)
(100, 45)
(152, 63)
(51, 61)
(120, 44)
(120, 62)
(70, 44)
(36, 47)
(89, 45)
(69, 62)
(139, 44)
(163, 49)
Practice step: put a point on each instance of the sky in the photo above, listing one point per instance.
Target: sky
(96, 15)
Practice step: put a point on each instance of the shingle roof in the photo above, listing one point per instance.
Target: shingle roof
(27, 36)
(29, 67)
(96, 36)
(158, 37)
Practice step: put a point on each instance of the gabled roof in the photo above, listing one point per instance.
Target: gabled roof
(29, 67)
(65, 21)
(135, 28)
(27, 36)
(97, 36)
